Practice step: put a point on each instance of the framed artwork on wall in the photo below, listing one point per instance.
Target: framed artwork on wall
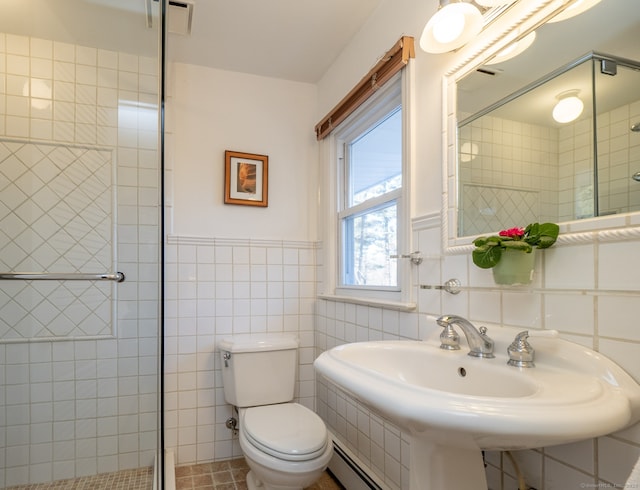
(246, 178)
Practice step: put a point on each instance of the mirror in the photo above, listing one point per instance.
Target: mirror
(509, 163)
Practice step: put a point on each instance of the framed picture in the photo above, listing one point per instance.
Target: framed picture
(246, 178)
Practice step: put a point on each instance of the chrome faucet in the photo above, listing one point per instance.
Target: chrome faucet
(480, 345)
(520, 352)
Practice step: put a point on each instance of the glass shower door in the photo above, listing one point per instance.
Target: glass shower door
(617, 84)
(80, 245)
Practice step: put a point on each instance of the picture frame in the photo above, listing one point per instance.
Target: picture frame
(246, 178)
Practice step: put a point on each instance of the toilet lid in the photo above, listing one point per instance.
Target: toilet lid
(287, 431)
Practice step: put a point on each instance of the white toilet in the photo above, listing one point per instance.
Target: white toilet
(286, 445)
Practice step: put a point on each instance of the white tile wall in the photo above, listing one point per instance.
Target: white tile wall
(78, 407)
(592, 299)
(217, 287)
(519, 163)
(509, 156)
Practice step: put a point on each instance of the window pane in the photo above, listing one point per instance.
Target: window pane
(376, 160)
(369, 241)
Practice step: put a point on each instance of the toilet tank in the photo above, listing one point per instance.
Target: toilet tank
(258, 369)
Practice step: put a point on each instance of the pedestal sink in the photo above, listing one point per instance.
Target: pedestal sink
(454, 406)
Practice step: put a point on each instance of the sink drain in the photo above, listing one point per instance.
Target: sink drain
(462, 372)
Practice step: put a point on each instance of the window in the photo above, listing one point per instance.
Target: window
(370, 218)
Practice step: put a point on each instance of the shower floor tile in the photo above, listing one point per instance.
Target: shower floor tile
(136, 479)
(231, 475)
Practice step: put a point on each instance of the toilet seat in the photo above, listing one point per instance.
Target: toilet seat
(288, 431)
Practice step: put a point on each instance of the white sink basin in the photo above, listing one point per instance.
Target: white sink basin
(454, 405)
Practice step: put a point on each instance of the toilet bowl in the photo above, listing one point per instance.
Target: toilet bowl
(286, 445)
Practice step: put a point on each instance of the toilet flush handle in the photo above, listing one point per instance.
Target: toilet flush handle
(226, 355)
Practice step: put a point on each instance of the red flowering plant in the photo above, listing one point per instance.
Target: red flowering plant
(489, 249)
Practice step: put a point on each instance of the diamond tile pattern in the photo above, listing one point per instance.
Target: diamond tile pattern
(488, 208)
(56, 215)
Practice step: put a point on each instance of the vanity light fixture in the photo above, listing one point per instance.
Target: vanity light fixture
(494, 3)
(576, 8)
(513, 50)
(568, 108)
(454, 24)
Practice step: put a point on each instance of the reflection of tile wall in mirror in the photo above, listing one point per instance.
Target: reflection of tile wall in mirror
(511, 174)
(581, 192)
(487, 208)
(507, 145)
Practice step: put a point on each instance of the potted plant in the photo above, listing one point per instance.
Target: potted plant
(510, 252)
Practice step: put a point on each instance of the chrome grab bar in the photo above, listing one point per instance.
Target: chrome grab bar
(62, 276)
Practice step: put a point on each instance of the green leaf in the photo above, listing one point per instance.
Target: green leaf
(478, 242)
(541, 235)
(518, 245)
(548, 234)
(486, 256)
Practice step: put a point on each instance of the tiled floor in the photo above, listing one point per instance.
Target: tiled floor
(137, 479)
(224, 475)
(230, 475)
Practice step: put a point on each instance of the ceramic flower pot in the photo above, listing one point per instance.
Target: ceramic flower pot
(514, 268)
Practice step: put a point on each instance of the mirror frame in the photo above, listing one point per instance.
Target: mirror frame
(520, 19)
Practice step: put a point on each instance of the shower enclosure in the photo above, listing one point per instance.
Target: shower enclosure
(80, 241)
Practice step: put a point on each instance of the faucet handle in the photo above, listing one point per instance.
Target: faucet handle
(449, 338)
(520, 352)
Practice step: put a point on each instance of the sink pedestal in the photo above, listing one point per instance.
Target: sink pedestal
(437, 467)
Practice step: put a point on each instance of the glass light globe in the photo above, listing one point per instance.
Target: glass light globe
(449, 26)
(452, 26)
(567, 109)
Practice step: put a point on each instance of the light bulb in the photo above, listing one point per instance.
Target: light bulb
(451, 27)
(513, 50)
(568, 108)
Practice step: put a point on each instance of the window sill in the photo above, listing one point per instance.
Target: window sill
(390, 305)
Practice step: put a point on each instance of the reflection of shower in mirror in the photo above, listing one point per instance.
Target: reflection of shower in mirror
(635, 127)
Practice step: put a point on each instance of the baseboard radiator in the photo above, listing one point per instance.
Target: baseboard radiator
(346, 468)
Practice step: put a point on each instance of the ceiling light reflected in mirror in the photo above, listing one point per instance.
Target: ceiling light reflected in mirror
(513, 50)
(568, 108)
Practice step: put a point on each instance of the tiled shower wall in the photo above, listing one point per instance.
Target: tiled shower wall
(589, 292)
(512, 171)
(618, 159)
(217, 287)
(58, 217)
(84, 400)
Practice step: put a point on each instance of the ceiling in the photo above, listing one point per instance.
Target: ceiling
(611, 27)
(291, 39)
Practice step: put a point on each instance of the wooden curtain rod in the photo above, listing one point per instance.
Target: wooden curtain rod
(391, 63)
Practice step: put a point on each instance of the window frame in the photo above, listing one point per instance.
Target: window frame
(396, 92)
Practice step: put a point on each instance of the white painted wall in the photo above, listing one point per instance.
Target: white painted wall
(392, 20)
(211, 281)
(210, 111)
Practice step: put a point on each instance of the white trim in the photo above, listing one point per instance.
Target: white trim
(239, 242)
(169, 470)
(390, 305)
(426, 222)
